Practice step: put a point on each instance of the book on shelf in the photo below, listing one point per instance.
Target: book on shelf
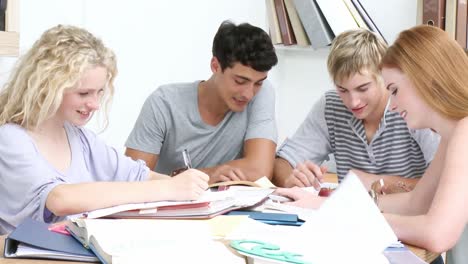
(354, 12)
(315, 24)
(296, 24)
(450, 17)
(32, 239)
(338, 16)
(434, 13)
(419, 12)
(12, 16)
(461, 27)
(209, 205)
(287, 34)
(3, 7)
(365, 16)
(273, 24)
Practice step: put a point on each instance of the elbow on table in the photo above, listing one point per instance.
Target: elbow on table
(438, 241)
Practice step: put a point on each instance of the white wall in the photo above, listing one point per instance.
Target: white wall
(163, 41)
(156, 42)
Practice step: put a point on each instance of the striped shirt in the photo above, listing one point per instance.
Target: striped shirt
(330, 128)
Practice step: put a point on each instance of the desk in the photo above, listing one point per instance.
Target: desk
(423, 254)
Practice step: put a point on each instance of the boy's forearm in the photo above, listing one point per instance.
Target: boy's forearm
(281, 171)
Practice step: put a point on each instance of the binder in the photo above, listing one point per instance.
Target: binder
(434, 13)
(315, 24)
(33, 234)
(365, 16)
(338, 15)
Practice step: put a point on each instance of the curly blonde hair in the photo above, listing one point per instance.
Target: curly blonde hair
(55, 63)
(436, 65)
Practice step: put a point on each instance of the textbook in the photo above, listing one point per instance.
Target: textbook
(32, 239)
(210, 204)
(151, 241)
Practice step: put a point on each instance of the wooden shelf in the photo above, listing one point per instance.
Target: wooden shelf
(293, 47)
(9, 43)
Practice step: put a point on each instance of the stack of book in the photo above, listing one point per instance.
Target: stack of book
(315, 22)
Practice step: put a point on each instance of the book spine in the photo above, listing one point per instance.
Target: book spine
(298, 29)
(461, 28)
(285, 25)
(337, 15)
(12, 16)
(275, 32)
(434, 13)
(315, 25)
(367, 18)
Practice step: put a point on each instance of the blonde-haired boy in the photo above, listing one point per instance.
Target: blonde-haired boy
(352, 122)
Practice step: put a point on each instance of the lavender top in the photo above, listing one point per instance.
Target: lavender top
(26, 177)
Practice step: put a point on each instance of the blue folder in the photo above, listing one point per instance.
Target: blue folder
(271, 218)
(36, 234)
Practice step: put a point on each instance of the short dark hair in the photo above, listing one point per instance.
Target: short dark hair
(247, 44)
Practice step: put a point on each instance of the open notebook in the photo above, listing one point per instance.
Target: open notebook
(208, 205)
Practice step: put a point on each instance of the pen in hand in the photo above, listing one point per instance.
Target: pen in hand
(187, 160)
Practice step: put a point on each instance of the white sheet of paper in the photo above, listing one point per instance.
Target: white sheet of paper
(350, 223)
(348, 228)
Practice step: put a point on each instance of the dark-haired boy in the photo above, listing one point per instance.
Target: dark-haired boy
(226, 122)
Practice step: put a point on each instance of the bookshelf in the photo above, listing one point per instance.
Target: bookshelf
(9, 39)
(281, 47)
(323, 16)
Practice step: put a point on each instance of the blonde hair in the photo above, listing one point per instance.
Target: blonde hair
(355, 51)
(437, 67)
(55, 63)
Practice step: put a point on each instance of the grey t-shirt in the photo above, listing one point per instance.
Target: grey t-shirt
(170, 122)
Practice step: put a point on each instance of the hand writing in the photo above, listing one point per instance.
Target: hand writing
(188, 185)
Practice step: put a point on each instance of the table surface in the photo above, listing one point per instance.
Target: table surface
(422, 253)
